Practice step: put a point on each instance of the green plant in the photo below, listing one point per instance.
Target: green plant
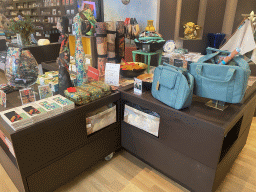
(23, 26)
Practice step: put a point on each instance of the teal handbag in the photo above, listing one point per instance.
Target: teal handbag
(173, 86)
(225, 83)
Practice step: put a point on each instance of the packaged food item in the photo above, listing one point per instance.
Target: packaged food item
(42, 78)
(52, 73)
(105, 88)
(80, 97)
(95, 92)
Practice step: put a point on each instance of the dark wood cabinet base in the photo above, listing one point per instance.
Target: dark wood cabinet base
(195, 147)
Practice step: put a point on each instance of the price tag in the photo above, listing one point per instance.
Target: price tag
(137, 86)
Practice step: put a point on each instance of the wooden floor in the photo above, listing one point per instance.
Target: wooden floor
(126, 173)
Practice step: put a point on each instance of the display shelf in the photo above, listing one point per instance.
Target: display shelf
(24, 1)
(39, 9)
(184, 39)
(17, 9)
(50, 16)
(50, 7)
(8, 153)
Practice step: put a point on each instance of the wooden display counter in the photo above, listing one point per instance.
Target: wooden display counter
(52, 152)
(42, 53)
(196, 146)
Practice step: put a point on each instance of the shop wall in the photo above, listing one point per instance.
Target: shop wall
(213, 19)
(189, 13)
(243, 7)
(142, 10)
(167, 18)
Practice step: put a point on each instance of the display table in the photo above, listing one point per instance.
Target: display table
(52, 152)
(147, 56)
(196, 146)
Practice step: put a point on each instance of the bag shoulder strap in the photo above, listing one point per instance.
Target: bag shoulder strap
(241, 62)
(181, 70)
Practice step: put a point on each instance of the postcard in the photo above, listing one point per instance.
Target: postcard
(27, 96)
(45, 91)
(50, 106)
(16, 118)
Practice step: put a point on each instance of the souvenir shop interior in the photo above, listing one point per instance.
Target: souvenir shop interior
(127, 95)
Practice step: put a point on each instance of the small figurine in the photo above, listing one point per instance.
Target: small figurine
(190, 30)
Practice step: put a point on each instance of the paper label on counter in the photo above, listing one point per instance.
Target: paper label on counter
(112, 72)
(93, 73)
(137, 86)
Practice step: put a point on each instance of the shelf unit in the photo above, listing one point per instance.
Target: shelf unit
(39, 8)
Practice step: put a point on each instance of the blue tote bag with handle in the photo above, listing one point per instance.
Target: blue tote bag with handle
(225, 83)
(173, 86)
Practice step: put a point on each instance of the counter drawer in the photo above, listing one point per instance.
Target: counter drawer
(191, 173)
(61, 171)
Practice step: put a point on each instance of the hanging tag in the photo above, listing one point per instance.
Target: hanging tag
(157, 85)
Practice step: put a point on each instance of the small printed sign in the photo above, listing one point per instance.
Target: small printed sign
(93, 73)
(178, 63)
(137, 86)
(112, 72)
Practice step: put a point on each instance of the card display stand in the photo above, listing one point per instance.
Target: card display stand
(196, 146)
(52, 152)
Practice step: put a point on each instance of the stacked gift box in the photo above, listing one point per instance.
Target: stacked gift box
(51, 78)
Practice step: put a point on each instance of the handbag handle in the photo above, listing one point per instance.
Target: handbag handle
(210, 50)
(228, 77)
(174, 68)
(238, 59)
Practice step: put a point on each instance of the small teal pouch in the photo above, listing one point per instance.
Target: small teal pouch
(173, 86)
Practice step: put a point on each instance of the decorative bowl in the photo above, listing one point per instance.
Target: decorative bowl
(134, 72)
